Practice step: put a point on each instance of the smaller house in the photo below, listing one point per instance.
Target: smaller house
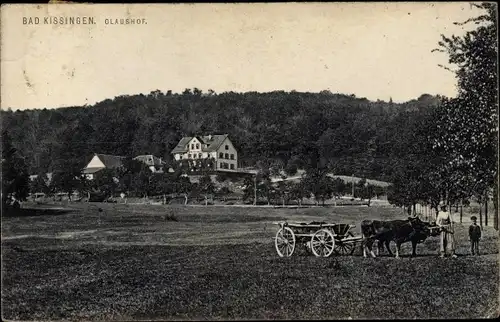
(49, 177)
(102, 161)
(155, 164)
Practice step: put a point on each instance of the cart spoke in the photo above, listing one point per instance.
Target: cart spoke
(285, 242)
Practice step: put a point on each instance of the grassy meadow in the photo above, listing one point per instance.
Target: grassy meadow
(150, 262)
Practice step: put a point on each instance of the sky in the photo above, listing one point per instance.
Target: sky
(373, 50)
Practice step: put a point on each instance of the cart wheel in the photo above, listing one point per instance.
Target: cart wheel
(322, 243)
(342, 248)
(285, 242)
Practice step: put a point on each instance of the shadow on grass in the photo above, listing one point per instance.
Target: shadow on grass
(33, 212)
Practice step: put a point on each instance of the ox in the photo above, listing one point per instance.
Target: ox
(399, 231)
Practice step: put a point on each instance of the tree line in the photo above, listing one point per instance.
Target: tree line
(135, 179)
(432, 149)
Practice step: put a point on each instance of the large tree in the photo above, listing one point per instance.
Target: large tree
(40, 184)
(466, 126)
(206, 187)
(15, 177)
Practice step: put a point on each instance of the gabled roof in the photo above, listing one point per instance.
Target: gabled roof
(149, 159)
(182, 145)
(213, 142)
(110, 161)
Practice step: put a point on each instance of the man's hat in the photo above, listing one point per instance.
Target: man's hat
(473, 218)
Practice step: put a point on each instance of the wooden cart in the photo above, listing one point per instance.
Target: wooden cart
(322, 239)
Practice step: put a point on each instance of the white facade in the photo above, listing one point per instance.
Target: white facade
(225, 156)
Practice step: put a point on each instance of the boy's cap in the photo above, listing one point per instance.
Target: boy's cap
(473, 218)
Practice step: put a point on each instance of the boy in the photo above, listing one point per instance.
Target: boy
(474, 235)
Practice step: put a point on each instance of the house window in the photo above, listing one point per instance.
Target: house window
(227, 147)
(227, 156)
(197, 146)
(232, 166)
(199, 155)
(221, 155)
(232, 156)
(194, 156)
(189, 156)
(180, 157)
(222, 165)
(192, 146)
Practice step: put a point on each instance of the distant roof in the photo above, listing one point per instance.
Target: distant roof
(149, 159)
(49, 177)
(110, 161)
(349, 179)
(213, 142)
(346, 179)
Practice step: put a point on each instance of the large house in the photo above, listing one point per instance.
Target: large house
(102, 161)
(218, 147)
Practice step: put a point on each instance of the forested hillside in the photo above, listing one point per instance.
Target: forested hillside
(347, 134)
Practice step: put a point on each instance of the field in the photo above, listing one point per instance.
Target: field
(219, 263)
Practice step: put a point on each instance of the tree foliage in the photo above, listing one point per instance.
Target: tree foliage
(15, 177)
(466, 131)
(349, 135)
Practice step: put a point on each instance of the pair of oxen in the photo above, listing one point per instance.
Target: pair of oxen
(411, 230)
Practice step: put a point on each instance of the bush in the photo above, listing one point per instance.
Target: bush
(170, 216)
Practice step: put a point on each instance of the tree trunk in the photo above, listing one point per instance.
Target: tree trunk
(486, 210)
(480, 215)
(461, 212)
(495, 204)
(495, 217)
(206, 201)
(185, 199)
(255, 191)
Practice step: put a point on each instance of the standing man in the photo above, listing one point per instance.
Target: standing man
(445, 222)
